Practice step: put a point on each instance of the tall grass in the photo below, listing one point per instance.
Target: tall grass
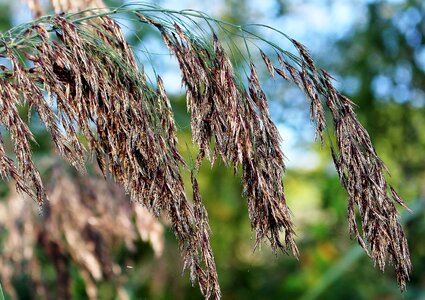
(95, 88)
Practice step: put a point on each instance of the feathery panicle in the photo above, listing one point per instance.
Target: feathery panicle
(8, 170)
(268, 63)
(317, 112)
(27, 173)
(84, 219)
(360, 169)
(126, 123)
(35, 7)
(95, 88)
(262, 175)
(239, 123)
(362, 173)
(209, 276)
(63, 6)
(75, 5)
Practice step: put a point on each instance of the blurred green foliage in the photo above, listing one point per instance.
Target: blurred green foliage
(384, 48)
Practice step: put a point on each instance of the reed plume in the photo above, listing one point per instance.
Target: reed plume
(96, 88)
(60, 6)
(82, 224)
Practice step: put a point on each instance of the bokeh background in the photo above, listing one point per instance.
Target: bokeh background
(376, 51)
